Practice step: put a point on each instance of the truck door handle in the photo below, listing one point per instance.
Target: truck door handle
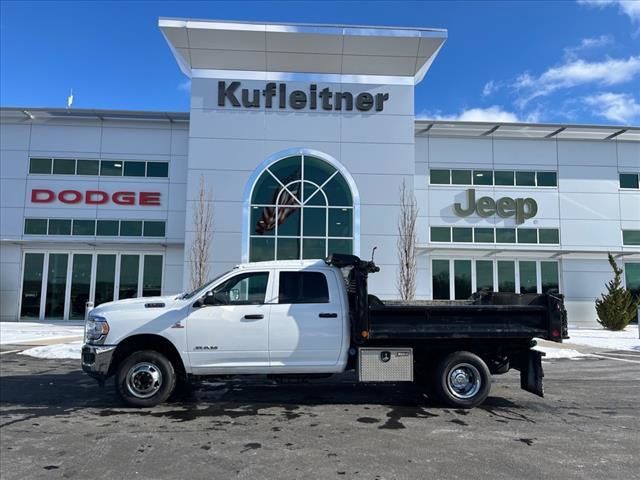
(328, 315)
(254, 317)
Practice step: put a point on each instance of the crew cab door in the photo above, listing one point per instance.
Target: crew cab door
(306, 327)
(229, 327)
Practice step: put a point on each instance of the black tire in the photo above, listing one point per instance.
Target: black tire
(466, 389)
(145, 379)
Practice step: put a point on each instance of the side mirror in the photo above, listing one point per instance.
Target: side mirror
(216, 298)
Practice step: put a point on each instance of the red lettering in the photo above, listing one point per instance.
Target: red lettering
(149, 198)
(124, 198)
(96, 197)
(41, 195)
(70, 196)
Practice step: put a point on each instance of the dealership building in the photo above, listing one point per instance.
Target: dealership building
(302, 137)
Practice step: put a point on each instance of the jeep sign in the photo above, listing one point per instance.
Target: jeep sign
(505, 207)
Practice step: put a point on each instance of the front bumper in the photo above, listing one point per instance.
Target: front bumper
(96, 360)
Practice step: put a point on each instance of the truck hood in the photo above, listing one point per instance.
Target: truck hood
(143, 303)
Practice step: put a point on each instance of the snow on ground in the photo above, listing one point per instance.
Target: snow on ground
(61, 350)
(16, 333)
(553, 353)
(626, 339)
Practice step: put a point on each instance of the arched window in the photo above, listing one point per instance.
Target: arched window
(301, 207)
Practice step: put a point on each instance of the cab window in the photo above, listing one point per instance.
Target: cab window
(303, 287)
(243, 289)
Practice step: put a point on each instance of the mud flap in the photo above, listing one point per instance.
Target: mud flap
(531, 373)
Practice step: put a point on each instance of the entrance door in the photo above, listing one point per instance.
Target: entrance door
(231, 329)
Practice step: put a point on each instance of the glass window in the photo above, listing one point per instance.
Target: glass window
(288, 169)
(129, 266)
(64, 166)
(314, 248)
(152, 276)
(111, 168)
(288, 223)
(262, 249)
(440, 279)
(462, 234)
(440, 234)
(482, 177)
(84, 227)
(88, 167)
(130, 228)
(316, 170)
(527, 235)
(547, 179)
(315, 223)
(154, 229)
(461, 177)
(40, 165)
(108, 228)
(506, 276)
(105, 278)
(462, 278)
(157, 169)
(484, 275)
(528, 278)
(59, 227)
(288, 248)
(243, 289)
(504, 178)
(340, 246)
(56, 285)
(629, 180)
(632, 278)
(134, 169)
(303, 287)
(483, 235)
(631, 237)
(80, 285)
(505, 235)
(32, 285)
(35, 226)
(549, 235)
(526, 179)
(338, 192)
(340, 222)
(549, 276)
(440, 177)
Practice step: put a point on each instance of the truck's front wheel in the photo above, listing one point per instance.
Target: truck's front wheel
(145, 379)
(463, 380)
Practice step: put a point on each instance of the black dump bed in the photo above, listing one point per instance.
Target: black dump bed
(486, 315)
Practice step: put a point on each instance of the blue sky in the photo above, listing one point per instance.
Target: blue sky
(555, 61)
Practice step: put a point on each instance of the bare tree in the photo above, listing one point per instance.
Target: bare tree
(407, 243)
(203, 236)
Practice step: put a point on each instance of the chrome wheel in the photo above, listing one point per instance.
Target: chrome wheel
(144, 380)
(464, 381)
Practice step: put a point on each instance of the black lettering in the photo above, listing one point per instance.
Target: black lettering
(325, 96)
(505, 207)
(380, 98)
(338, 100)
(298, 99)
(250, 103)
(471, 200)
(225, 92)
(364, 102)
(312, 96)
(486, 207)
(283, 96)
(269, 92)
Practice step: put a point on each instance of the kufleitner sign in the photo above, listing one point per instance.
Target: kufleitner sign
(275, 96)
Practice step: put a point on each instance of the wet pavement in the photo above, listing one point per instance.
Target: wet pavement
(55, 422)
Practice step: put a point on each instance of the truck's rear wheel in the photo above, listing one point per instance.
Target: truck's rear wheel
(462, 380)
(145, 379)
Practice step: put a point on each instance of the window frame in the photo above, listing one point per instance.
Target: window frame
(227, 278)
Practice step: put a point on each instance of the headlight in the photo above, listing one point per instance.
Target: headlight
(96, 329)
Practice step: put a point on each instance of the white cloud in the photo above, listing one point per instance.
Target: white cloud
(617, 107)
(587, 44)
(494, 113)
(488, 88)
(576, 72)
(630, 8)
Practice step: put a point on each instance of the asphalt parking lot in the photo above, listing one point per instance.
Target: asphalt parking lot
(57, 423)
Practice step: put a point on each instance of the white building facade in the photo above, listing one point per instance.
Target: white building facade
(303, 137)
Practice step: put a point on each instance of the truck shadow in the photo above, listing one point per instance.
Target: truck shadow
(71, 396)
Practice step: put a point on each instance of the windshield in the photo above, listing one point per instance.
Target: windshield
(197, 291)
